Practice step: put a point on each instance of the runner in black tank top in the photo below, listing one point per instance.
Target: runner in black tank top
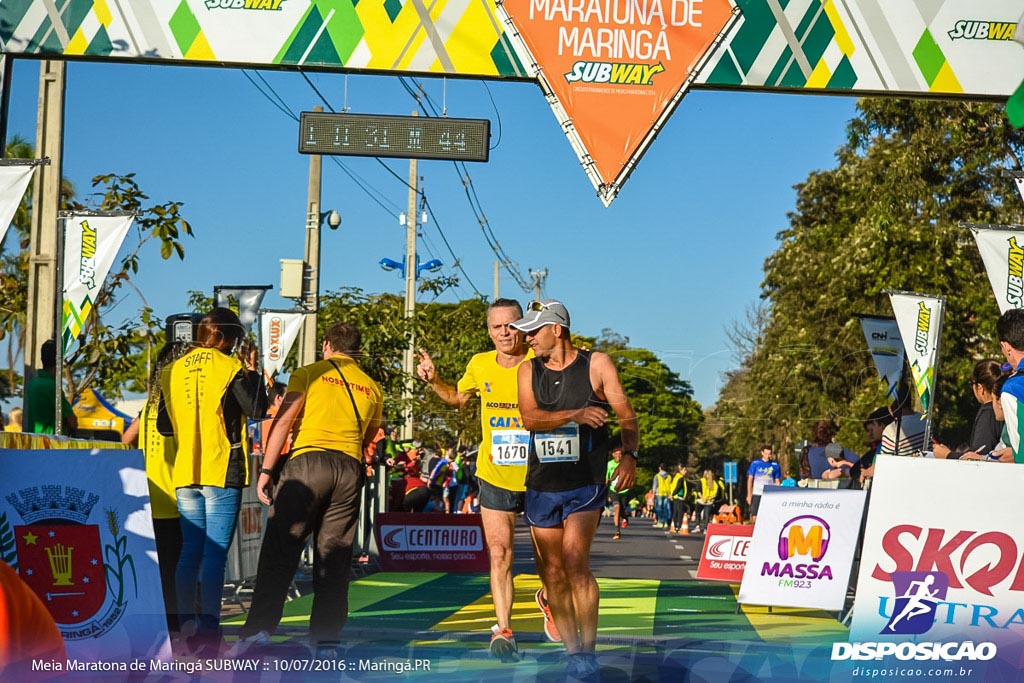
(569, 389)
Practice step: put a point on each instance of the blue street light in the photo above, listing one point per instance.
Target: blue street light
(433, 265)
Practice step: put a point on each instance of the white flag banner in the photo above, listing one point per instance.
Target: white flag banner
(278, 331)
(919, 317)
(1019, 180)
(14, 181)
(1002, 251)
(883, 338)
(90, 245)
(249, 299)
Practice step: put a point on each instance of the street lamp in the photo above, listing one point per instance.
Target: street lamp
(433, 265)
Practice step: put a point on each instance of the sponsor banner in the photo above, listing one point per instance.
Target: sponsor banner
(79, 531)
(883, 338)
(1002, 251)
(802, 550)
(90, 245)
(1019, 180)
(919, 317)
(278, 331)
(725, 552)
(634, 59)
(870, 46)
(248, 298)
(431, 542)
(14, 180)
(942, 573)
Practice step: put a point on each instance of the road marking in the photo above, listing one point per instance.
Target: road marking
(687, 558)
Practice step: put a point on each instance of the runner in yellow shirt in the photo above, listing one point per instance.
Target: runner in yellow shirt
(501, 463)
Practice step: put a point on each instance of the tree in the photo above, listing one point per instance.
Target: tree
(886, 217)
(109, 355)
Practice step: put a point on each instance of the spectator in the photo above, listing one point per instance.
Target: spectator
(159, 452)
(416, 494)
(826, 459)
(205, 396)
(1010, 329)
(987, 429)
(761, 472)
(680, 499)
(14, 421)
(41, 394)
(909, 424)
(874, 425)
(662, 487)
(707, 500)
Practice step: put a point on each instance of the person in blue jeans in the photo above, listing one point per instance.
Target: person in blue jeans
(206, 396)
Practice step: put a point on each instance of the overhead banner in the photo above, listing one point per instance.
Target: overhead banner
(886, 346)
(78, 529)
(933, 573)
(803, 546)
(724, 555)
(615, 71)
(1002, 252)
(249, 298)
(90, 244)
(278, 331)
(919, 317)
(14, 180)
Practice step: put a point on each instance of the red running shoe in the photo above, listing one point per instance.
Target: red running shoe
(550, 630)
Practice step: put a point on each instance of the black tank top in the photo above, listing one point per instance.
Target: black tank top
(567, 389)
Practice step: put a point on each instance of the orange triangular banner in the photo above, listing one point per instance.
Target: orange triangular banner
(617, 69)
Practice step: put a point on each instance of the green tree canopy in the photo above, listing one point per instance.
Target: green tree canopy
(886, 217)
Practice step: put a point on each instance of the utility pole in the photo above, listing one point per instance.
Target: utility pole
(539, 276)
(43, 298)
(311, 265)
(408, 360)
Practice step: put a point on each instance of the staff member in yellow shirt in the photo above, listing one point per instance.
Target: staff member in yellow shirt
(333, 410)
(206, 395)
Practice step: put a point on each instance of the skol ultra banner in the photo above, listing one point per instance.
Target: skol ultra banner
(802, 551)
(77, 528)
(90, 245)
(1002, 251)
(617, 69)
(883, 339)
(942, 578)
(278, 331)
(919, 317)
(14, 179)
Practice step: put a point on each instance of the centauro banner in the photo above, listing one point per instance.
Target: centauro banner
(90, 245)
(278, 331)
(14, 179)
(883, 339)
(1002, 251)
(919, 317)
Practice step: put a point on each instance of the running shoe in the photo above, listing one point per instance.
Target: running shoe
(582, 666)
(503, 645)
(624, 523)
(616, 536)
(550, 630)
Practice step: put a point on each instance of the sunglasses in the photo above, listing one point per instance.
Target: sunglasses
(538, 306)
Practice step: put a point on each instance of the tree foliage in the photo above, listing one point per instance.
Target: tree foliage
(886, 217)
(110, 355)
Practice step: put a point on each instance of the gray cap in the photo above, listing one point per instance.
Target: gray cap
(541, 313)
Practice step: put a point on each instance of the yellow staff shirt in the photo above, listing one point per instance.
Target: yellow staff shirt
(327, 420)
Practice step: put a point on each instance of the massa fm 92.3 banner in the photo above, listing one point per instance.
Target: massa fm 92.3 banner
(613, 70)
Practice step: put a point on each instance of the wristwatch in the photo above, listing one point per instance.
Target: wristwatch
(266, 470)
(633, 454)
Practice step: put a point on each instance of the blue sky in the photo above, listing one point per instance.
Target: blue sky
(671, 264)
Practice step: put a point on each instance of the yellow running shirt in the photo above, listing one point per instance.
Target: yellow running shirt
(327, 421)
(502, 458)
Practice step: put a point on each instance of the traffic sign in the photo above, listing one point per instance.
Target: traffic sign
(730, 472)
